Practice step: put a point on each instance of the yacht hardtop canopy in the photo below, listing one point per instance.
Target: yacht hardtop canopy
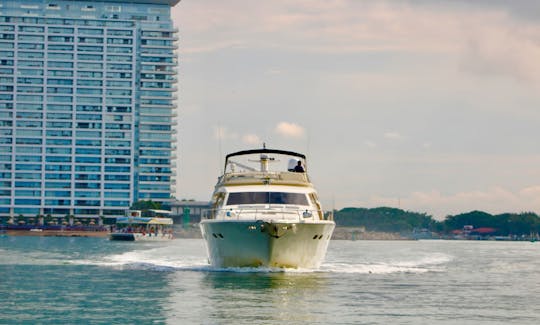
(263, 151)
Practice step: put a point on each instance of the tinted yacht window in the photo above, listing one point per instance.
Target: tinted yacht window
(267, 198)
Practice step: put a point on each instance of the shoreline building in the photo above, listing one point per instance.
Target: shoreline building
(87, 106)
(189, 211)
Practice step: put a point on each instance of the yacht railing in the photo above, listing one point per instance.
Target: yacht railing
(292, 214)
(283, 176)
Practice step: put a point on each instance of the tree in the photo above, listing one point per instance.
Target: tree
(144, 206)
(384, 219)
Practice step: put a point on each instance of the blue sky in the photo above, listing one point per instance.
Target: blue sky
(430, 106)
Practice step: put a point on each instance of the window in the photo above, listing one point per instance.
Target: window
(27, 175)
(58, 168)
(60, 30)
(59, 142)
(57, 193)
(58, 47)
(87, 194)
(241, 198)
(32, 38)
(57, 202)
(60, 73)
(61, 159)
(59, 116)
(55, 64)
(83, 168)
(28, 211)
(88, 185)
(57, 184)
(60, 56)
(30, 46)
(30, 81)
(27, 202)
(117, 169)
(27, 193)
(113, 8)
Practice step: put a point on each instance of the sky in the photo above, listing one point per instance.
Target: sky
(427, 106)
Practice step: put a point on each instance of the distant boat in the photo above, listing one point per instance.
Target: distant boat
(266, 215)
(136, 228)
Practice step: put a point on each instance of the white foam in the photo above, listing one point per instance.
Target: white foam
(432, 263)
(169, 259)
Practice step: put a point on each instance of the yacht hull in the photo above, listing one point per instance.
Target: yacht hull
(240, 243)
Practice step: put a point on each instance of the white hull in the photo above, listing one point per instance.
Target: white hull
(137, 236)
(243, 243)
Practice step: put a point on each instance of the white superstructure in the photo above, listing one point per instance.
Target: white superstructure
(266, 214)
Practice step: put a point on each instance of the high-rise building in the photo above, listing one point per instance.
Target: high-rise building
(87, 106)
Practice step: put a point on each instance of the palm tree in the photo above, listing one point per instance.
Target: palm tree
(20, 218)
(48, 218)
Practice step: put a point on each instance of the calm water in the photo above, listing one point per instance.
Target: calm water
(92, 280)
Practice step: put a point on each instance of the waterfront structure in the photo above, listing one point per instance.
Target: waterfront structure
(87, 106)
(189, 211)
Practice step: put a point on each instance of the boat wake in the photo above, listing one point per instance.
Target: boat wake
(189, 256)
(436, 262)
(159, 259)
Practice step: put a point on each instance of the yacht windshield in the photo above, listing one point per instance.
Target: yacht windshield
(267, 198)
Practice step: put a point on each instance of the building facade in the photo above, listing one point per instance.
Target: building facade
(189, 211)
(87, 106)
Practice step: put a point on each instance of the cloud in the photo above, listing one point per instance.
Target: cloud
(251, 139)
(273, 71)
(289, 130)
(501, 47)
(223, 133)
(370, 143)
(489, 40)
(393, 136)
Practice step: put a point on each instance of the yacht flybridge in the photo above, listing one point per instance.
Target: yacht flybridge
(265, 212)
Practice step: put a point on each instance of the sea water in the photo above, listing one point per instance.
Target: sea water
(59, 280)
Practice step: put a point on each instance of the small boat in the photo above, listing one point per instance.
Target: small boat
(136, 228)
(266, 213)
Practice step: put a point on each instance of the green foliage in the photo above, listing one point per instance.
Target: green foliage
(506, 224)
(144, 206)
(396, 220)
(383, 219)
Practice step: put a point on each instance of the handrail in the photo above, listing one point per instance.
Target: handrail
(264, 213)
(271, 176)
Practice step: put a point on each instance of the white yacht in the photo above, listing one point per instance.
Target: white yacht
(264, 213)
